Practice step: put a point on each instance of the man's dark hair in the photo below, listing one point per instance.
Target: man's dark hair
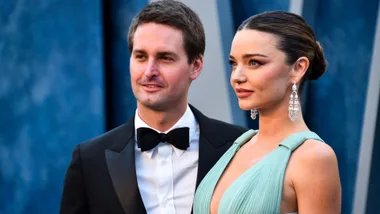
(177, 15)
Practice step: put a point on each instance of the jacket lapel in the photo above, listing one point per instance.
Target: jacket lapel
(211, 145)
(208, 156)
(122, 170)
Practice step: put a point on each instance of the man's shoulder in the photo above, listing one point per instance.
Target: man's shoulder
(111, 139)
(221, 125)
(212, 127)
(227, 131)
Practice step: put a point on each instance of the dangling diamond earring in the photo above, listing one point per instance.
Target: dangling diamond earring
(293, 104)
(254, 113)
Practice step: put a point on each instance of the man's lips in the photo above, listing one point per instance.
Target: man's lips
(151, 87)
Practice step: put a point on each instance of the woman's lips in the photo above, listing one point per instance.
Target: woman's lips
(243, 93)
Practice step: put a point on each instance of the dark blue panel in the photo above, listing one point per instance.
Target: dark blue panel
(335, 105)
(243, 9)
(51, 96)
(373, 199)
(121, 103)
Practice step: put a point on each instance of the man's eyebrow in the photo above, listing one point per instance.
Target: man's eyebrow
(138, 51)
(167, 53)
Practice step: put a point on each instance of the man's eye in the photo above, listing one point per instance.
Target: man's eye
(139, 56)
(166, 58)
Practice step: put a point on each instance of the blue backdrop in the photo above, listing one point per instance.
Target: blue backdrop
(64, 79)
(51, 96)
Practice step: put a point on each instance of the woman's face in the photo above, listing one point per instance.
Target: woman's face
(260, 76)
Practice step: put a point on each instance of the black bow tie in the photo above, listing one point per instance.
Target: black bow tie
(147, 138)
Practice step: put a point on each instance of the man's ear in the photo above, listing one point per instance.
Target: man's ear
(299, 69)
(196, 67)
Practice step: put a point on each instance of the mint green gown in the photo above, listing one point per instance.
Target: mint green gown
(259, 189)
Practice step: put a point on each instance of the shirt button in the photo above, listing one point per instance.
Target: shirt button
(162, 161)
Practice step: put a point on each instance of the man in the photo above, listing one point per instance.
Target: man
(132, 168)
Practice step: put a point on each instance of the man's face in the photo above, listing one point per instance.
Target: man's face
(160, 71)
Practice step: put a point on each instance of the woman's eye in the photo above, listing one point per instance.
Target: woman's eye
(253, 62)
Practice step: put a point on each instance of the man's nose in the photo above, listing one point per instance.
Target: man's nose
(151, 69)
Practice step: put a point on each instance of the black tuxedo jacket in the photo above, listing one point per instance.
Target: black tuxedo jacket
(101, 177)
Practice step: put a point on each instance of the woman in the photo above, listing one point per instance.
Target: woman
(284, 167)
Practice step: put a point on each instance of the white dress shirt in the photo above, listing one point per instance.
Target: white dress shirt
(166, 176)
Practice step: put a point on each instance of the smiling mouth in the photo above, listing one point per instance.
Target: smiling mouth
(152, 86)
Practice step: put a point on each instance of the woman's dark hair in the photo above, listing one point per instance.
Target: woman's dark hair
(296, 39)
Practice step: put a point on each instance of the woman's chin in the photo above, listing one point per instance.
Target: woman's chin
(245, 107)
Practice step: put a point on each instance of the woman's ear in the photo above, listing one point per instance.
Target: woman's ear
(299, 69)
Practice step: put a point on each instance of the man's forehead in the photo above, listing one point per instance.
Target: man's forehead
(157, 32)
(163, 51)
(157, 43)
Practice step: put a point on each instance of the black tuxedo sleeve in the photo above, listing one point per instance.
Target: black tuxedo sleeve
(74, 199)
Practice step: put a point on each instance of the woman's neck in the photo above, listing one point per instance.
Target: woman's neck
(275, 125)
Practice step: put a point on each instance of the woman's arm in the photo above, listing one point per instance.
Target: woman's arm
(317, 182)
